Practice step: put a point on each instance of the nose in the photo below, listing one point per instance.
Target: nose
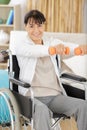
(36, 29)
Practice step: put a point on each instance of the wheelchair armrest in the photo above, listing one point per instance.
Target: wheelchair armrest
(19, 82)
(73, 77)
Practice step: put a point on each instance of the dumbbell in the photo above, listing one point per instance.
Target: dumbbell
(77, 51)
(53, 50)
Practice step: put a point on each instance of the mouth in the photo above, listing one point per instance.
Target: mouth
(37, 35)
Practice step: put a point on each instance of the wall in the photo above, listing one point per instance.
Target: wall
(85, 17)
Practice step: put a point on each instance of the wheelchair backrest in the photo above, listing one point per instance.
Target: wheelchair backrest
(16, 71)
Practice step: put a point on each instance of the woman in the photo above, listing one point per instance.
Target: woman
(37, 61)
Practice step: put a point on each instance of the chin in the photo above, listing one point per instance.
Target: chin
(37, 38)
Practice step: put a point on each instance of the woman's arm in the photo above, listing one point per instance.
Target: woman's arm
(65, 49)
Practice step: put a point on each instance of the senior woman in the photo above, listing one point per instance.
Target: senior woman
(37, 61)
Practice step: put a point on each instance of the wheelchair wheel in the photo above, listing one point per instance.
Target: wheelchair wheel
(9, 111)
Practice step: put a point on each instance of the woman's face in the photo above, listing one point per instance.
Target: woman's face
(35, 31)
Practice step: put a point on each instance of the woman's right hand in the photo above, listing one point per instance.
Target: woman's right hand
(62, 49)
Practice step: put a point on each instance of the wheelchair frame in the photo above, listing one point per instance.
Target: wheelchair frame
(58, 117)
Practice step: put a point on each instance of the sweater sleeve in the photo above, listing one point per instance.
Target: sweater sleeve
(31, 50)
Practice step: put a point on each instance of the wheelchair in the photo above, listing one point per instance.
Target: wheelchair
(19, 114)
(21, 108)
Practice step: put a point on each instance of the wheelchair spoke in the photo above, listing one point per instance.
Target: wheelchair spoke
(7, 113)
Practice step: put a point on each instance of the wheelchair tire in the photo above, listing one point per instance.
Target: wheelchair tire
(11, 119)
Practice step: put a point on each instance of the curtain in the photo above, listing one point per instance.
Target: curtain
(61, 15)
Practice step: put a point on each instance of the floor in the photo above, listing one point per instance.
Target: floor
(67, 124)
